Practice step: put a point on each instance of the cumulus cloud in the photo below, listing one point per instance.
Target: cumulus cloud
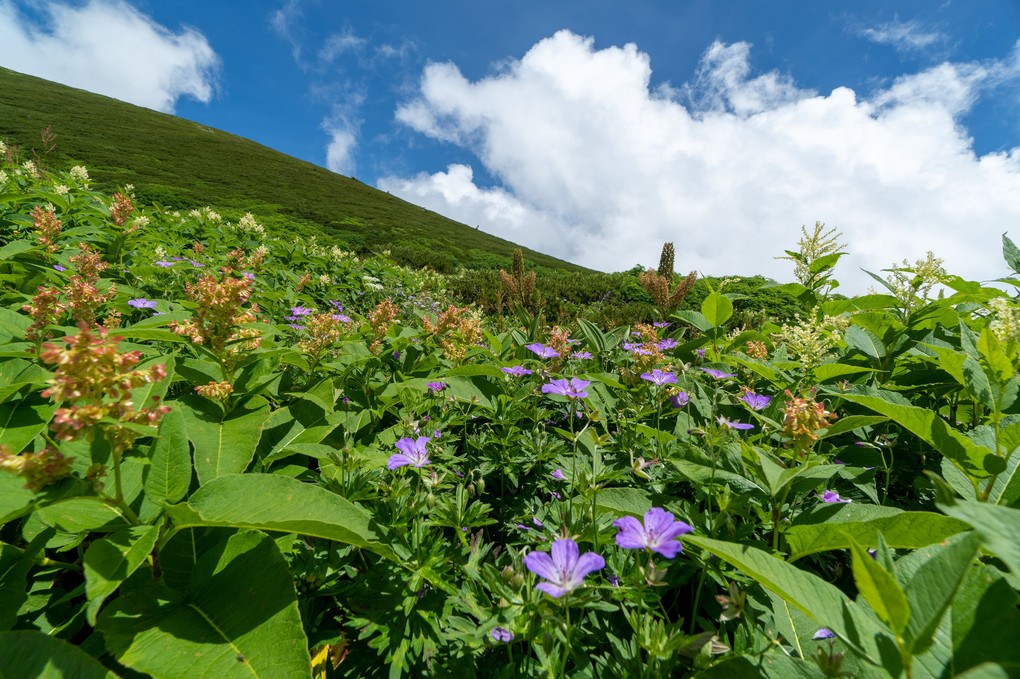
(109, 47)
(595, 166)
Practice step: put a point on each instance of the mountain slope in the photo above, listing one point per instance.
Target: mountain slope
(180, 163)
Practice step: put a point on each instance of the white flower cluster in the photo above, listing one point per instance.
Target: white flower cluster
(3, 149)
(813, 338)
(248, 225)
(140, 222)
(3, 177)
(206, 213)
(338, 254)
(30, 168)
(60, 190)
(372, 283)
(913, 284)
(80, 175)
(1006, 323)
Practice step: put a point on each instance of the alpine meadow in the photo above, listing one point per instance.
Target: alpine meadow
(261, 420)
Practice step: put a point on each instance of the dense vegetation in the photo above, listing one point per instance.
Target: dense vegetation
(225, 454)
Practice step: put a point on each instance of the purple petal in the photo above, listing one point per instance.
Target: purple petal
(565, 554)
(552, 589)
(586, 563)
(541, 564)
(398, 460)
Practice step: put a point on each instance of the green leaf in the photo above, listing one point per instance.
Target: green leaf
(984, 620)
(824, 603)
(851, 423)
(717, 309)
(238, 618)
(833, 525)
(993, 359)
(278, 503)
(864, 341)
(222, 444)
(110, 560)
(1010, 253)
(23, 419)
(14, 567)
(619, 501)
(30, 653)
(997, 526)
(79, 514)
(931, 578)
(15, 499)
(879, 588)
(977, 461)
(170, 470)
(694, 318)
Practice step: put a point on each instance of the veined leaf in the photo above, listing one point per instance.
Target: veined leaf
(238, 618)
(111, 560)
(879, 587)
(864, 341)
(997, 526)
(717, 309)
(223, 444)
(170, 470)
(278, 503)
(30, 653)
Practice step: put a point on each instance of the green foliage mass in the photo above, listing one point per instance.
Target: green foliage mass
(225, 454)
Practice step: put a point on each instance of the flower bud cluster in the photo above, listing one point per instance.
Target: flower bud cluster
(381, 319)
(811, 339)
(324, 331)
(97, 380)
(82, 291)
(45, 310)
(757, 349)
(215, 390)
(1006, 322)
(214, 322)
(455, 331)
(39, 470)
(802, 418)
(121, 208)
(47, 225)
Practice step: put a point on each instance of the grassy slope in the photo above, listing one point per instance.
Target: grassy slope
(180, 163)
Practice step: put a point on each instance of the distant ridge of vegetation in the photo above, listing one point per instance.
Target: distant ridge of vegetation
(179, 163)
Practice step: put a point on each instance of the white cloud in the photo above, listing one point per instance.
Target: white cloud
(340, 150)
(109, 47)
(903, 35)
(597, 168)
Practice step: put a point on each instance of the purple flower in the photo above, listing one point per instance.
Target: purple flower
(832, 496)
(517, 371)
(823, 633)
(502, 634)
(659, 378)
(301, 310)
(679, 399)
(436, 387)
(558, 474)
(177, 259)
(412, 452)
(700, 353)
(522, 526)
(755, 401)
(437, 434)
(537, 522)
(668, 343)
(565, 569)
(575, 388)
(142, 303)
(542, 350)
(661, 324)
(727, 423)
(247, 274)
(342, 318)
(718, 374)
(164, 264)
(196, 264)
(581, 354)
(59, 268)
(614, 580)
(660, 533)
(296, 326)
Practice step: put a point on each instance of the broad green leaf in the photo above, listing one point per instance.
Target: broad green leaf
(828, 527)
(997, 526)
(984, 620)
(30, 653)
(990, 670)
(476, 389)
(15, 247)
(824, 603)
(15, 565)
(222, 444)
(931, 577)
(22, 420)
(593, 334)
(879, 587)
(238, 618)
(278, 503)
(79, 514)
(694, 318)
(975, 460)
(851, 423)
(864, 341)
(993, 358)
(703, 475)
(476, 370)
(1010, 253)
(632, 501)
(717, 309)
(773, 665)
(170, 470)
(110, 560)
(977, 383)
(830, 371)
(15, 499)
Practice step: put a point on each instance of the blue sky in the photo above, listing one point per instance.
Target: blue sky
(597, 130)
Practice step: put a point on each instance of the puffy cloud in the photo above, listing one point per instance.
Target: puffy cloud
(596, 167)
(109, 47)
(340, 150)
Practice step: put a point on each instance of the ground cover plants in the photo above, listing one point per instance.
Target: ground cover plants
(224, 454)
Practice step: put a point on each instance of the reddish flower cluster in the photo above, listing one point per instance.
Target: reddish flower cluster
(120, 208)
(802, 418)
(82, 291)
(48, 226)
(455, 332)
(45, 310)
(214, 322)
(38, 469)
(97, 381)
(381, 319)
(215, 390)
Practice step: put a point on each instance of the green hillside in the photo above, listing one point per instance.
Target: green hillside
(180, 163)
